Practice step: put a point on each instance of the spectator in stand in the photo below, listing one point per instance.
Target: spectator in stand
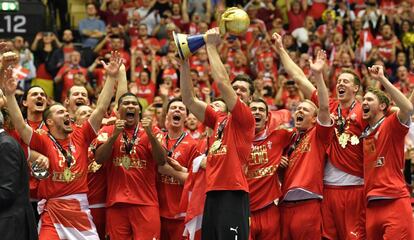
(296, 11)
(371, 15)
(180, 16)
(111, 12)
(113, 42)
(67, 71)
(147, 15)
(91, 28)
(42, 47)
(387, 44)
(402, 80)
(304, 35)
(25, 70)
(143, 79)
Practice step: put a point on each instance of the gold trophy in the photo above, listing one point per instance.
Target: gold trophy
(234, 21)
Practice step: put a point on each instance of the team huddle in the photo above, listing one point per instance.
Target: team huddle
(336, 175)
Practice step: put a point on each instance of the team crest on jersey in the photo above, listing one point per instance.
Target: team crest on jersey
(269, 144)
(353, 116)
(379, 162)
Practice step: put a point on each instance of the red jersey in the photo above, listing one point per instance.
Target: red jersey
(307, 161)
(146, 92)
(131, 178)
(227, 165)
(57, 185)
(348, 159)
(384, 160)
(68, 77)
(97, 183)
(264, 160)
(169, 188)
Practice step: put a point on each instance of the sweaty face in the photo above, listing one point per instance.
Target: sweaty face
(305, 116)
(60, 119)
(242, 90)
(345, 87)
(36, 100)
(176, 115)
(129, 110)
(260, 115)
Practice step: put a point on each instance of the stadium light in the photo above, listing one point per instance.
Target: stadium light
(9, 6)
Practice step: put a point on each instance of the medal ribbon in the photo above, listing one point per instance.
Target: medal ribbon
(38, 127)
(67, 154)
(129, 144)
(170, 152)
(220, 129)
(297, 136)
(368, 130)
(341, 128)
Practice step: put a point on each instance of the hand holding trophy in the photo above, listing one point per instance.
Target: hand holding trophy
(234, 21)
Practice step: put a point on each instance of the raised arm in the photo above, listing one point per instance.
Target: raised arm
(218, 71)
(158, 151)
(9, 89)
(405, 106)
(323, 98)
(115, 69)
(292, 69)
(104, 151)
(196, 106)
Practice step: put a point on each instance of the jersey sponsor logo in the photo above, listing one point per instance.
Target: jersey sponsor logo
(262, 172)
(133, 163)
(258, 155)
(168, 179)
(61, 177)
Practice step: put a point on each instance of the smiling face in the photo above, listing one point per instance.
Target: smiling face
(305, 116)
(372, 108)
(259, 112)
(176, 115)
(78, 96)
(58, 120)
(129, 110)
(36, 100)
(346, 88)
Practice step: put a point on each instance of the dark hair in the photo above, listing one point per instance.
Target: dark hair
(120, 100)
(382, 97)
(218, 99)
(47, 111)
(177, 100)
(245, 78)
(24, 97)
(260, 100)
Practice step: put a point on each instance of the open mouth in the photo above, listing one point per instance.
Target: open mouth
(79, 102)
(176, 118)
(39, 103)
(299, 118)
(257, 119)
(365, 109)
(67, 122)
(130, 114)
(341, 91)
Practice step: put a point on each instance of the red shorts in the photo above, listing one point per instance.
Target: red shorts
(301, 220)
(265, 223)
(138, 222)
(390, 219)
(343, 212)
(99, 218)
(172, 229)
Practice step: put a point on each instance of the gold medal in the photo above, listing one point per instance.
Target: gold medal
(354, 140)
(126, 162)
(94, 167)
(67, 175)
(216, 145)
(343, 139)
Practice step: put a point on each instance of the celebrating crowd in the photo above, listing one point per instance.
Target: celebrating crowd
(298, 129)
